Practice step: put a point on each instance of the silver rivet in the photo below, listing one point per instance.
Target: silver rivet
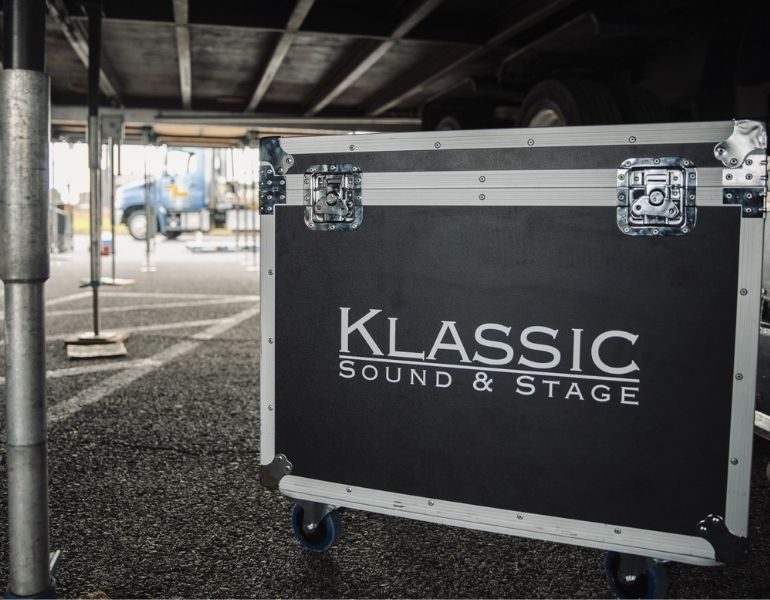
(332, 167)
(269, 271)
(311, 170)
(269, 209)
(626, 229)
(686, 163)
(269, 196)
(621, 197)
(692, 196)
(655, 232)
(519, 517)
(632, 139)
(332, 227)
(352, 147)
(656, 161)
(744, 291)
(733, 161)
(691, 175)
(749, 195)
(269, 340)
(348, 490)
(307, 197)
(739, 376)
(306, 180)
(437, 145)
(721, 150)
(431, 503)
(749, 162)
(729, 176)
(289, 160)
(733, 461)
(311, 225)
(748, 211)
(269, 182)
(354, 225)
(749, 176)
(685, 229)
(482, 197)
(621, 177)
(530, 142)
(617, 530)
(729, 195)
(269, 407)
(282, 197)
(482, 179)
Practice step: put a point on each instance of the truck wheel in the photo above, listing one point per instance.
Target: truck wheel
(458, 113)
(638, 105)
(136, 222)
(554, 103)
(171, 235)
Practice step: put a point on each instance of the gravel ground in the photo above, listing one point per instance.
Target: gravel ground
(155, 493)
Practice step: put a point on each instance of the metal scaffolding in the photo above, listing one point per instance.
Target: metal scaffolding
(24, 127)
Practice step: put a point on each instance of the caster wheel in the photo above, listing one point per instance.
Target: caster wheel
(325, 535)
(650, 583)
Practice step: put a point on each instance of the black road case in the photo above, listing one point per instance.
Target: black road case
(550, 333)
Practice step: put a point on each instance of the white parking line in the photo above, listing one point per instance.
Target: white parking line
(58, 337)
(167, 305)
(116, 294)
(110, 366)
(98, 392)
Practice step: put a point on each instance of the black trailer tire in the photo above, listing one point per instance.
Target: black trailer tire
(171, 235)
(569, 102)
(458, 113)
(638, 105)
(136, 221)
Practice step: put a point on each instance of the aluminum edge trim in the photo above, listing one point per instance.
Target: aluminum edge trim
(481, 181)
(609, 135)
(545, 197)
(744, 389)
(687, 549)
(267, 350)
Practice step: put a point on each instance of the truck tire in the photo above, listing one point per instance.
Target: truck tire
(457, 113)
(638, 105)
(171, 235)
(560, 102)
(136, 221)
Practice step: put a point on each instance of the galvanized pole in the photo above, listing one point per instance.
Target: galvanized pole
(94, 153)
(24, 267)
(111, 189)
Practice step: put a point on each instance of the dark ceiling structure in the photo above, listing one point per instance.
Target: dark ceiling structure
(303, 64)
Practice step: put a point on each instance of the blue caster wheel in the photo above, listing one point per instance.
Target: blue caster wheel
(325, 535)
(650, 582)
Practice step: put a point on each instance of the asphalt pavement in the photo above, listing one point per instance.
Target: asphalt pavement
(154, 465)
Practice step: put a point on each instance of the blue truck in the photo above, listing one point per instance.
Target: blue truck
(195, 192)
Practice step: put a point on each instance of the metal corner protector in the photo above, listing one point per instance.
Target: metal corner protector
(728, 547)
(274, 164)
(271, 474)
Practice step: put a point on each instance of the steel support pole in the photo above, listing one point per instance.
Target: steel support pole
(24, 268)
(111, 190)
(94, 154)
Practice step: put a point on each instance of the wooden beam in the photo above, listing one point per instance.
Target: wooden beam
(348, 74)
(181, 20)
(78, 39)
(301, 9)
(523, 16)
